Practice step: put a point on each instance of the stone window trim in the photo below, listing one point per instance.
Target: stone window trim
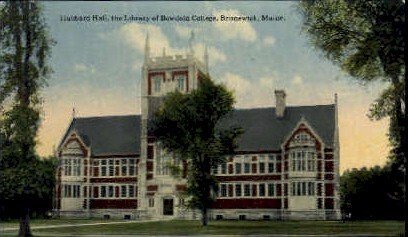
(108, 166)
(114, 191)
(265, 190)
(245, 165)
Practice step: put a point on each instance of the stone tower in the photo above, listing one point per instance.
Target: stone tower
(157, 190)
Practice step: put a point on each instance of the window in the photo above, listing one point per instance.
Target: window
(303, 188)
(271, 190)
(247, 168)
(124, 167)
(132, 167)
(303, 160)
(131, 189)
(238, 168)
(261, 190)
(103, 168)
(272, 164)
(223, 190)
(75, 191)
(103, 191)
(111, 167)
(254, 190)
(230, 190)
(181, 80)
(247, 190)
(111, 190)
(123, 191)
(157, 82)
(254, 168)
(151, 202)
(238, 192)
(261, 168)
(71, 166)
(311, 189)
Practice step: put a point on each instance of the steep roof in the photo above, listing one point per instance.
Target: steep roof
(264, 131)
(113, 135)
(109, 135)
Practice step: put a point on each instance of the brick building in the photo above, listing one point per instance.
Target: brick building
(286, 165)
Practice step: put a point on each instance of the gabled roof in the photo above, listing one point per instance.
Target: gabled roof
(263, 131)
(108, 135)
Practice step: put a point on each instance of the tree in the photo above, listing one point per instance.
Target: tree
(188, 126)
(24, 51)
(371, 193)
(367, 40)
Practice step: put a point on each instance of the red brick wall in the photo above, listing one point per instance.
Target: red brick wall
(113, 203)
(247, 203)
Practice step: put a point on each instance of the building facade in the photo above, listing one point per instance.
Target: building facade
(286, 165)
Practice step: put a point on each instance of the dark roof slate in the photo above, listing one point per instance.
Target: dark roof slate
(263, 131)
(109, 135)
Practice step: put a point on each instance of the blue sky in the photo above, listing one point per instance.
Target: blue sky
(98, 66)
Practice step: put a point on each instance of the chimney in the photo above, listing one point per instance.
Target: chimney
(280, 96)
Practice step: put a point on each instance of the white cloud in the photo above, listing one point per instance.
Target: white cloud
(215, 55)
(248, 94)
(234, 30)
(134, 34)
(80, 67)
(182, 31)
(297, 80)
(269, 41)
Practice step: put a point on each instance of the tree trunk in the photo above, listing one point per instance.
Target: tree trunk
(24, 230)
(204, 217)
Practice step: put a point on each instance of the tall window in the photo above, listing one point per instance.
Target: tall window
(131, 191)
(271, 189)
(72, 166)
(103, 167)
(238, 168)
(303, 160)
(123, 191)
(272, 164)
(238, 191)
(124, 167)
(223, 190)
(111, 191)
(157, 83)
(261, 190)
(111, 167)
(247, 168)
(181, 80)
(103, 191)
(303, 188)
(247, 190)
(132, 168)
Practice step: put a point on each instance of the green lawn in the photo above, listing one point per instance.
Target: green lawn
(387, 228)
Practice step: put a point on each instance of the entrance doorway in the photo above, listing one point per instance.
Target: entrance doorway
(168, 207)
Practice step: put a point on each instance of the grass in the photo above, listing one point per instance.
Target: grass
(179, 227)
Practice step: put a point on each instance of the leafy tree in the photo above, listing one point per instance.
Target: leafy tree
(24, 51)
(187, 125)
(372, 193)
(367, 40)
(40, 179)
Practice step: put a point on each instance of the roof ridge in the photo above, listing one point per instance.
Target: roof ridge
(109, 116)
(290, 106)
